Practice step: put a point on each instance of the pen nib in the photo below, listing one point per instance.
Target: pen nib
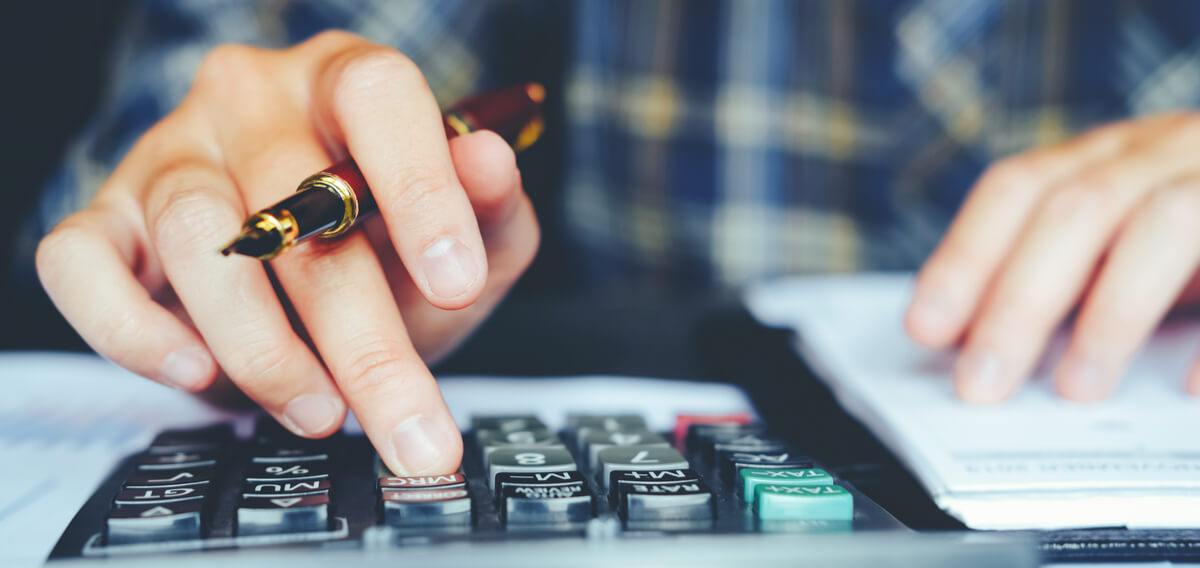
(256, 242)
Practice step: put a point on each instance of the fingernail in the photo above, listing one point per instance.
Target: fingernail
(1081, 378)
(186, 368)
(931, 310)
(980, 375)
(450, 268)
(416, 447)
(311, 414)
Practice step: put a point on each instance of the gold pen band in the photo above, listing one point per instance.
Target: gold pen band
(343, 191)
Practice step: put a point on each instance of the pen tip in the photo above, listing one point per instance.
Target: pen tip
(536, 92)
(254, 242)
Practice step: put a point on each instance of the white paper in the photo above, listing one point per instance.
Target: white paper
(1037, 461)
(67, 419)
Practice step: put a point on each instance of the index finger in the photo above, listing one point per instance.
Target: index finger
(376, 101)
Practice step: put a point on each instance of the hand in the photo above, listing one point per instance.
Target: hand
(1109, 221)
(139, 276)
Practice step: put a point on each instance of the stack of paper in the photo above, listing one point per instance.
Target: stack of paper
(1036, 461)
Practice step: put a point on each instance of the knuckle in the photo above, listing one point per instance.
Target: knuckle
(1178, 205)
(1024, 173)
(260, 364)
(228, 63)
(186, 214)
(370, 74)
(330, 39)
(117, 336)
(55, 250)
(374, 363)
(416, 185)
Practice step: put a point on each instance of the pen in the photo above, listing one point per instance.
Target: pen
(330, 202)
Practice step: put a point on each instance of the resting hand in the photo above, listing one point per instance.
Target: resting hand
(1108, 222)
(139, 276)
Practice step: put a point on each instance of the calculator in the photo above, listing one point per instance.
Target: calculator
(712, 486)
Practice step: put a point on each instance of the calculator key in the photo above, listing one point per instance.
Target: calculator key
(528, 460)
(813, 503)
(169, 478)
(581, 425)
(734, 463)
(644, 458)
(545, 505)
(752, 478)
(275, 488)
(176, 460)
(201, 439)
(490, 440)
(294, 471)
(572, 480)
(507, 423)
(128, 497)
(424, 482)
(733, 442)
(286, 514)
(154, 522)
(700, 437)
(597, 440)
(436, 507)
(621, 480)
(279, 455)
(648, 503)
(684, 422)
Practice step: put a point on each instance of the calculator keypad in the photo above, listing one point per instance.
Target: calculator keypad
(519, 477)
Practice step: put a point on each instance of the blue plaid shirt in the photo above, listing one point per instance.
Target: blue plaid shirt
(709, 142)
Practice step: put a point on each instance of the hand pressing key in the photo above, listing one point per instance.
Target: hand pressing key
(139, 276)
(1109, 221)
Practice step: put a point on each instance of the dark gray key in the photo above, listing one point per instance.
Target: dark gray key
(423, 482)
(154, 522)
(169, 478)
(700, 437)
(284, 514)
(528, 460)
(581, 425)
(540, 479)
(202, 439)
(644, 458)
(596, 440)
(549, 505)
(285, 471)
(736, 462)
(489, 440)
(176, 460)
(650, 503)
(437, 507)
(289, 455)
(507, 423)
(277, 488)
(158, 495)
(621, 480)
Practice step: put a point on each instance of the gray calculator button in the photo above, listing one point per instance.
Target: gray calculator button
(549, 506)
(490, 440)
(527, 460)
(284, 487)
(643, 458)
(127, 497)
(652, 503)
(169, 478)
(581, 425)
(507, 423)
(283, 514)
(154, 522)
(433, 507)
(177, 460)
(598, 440)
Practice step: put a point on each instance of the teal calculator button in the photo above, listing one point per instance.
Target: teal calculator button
(801, 502)
(752, 478)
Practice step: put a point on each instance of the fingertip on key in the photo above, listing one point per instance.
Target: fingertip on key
(424, 447)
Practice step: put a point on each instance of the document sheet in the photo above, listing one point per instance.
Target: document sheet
(1034, 462)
